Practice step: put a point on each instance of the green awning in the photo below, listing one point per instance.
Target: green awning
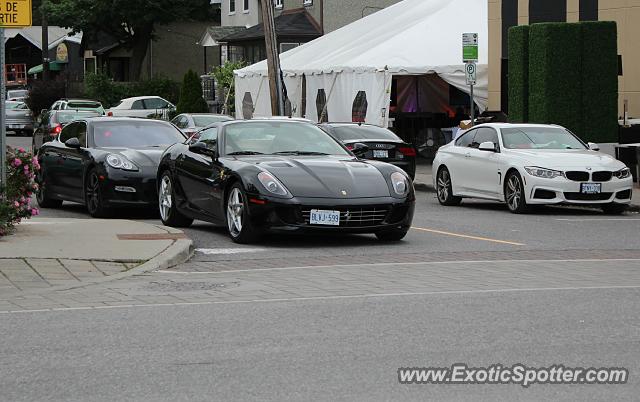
(53, 66)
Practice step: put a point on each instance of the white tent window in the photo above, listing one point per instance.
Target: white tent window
(321, 106)
(359, 109)
(247, 106)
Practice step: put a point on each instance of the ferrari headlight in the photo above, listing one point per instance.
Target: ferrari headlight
(399, 183)
(543, 173)
(120, 162)
(622, 173)
(272, 184)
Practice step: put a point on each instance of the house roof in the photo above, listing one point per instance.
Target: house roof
(33, 34)
(297, 24)
(213, 34)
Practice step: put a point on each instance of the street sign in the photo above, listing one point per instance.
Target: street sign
(15, 13)
(470, 47)
(470, 69)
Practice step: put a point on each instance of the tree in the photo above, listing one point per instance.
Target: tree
(130, 22)
(191, 100)
(225, 81)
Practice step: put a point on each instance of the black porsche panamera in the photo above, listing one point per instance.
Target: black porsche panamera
(104, 163)
(268, 175)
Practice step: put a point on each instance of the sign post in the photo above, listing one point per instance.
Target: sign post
(470, 58)
(13, 14)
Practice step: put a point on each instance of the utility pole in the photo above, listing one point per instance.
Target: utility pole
(273, 58)
(45, 46)
(3, 125)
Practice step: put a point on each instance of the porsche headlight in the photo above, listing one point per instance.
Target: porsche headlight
(120, 162)
(543, 173)
(272, 184)
(622, 173)
(399, 183)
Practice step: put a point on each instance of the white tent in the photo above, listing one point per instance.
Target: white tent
(412, 37)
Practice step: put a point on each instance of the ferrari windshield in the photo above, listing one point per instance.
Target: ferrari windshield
(135, 134)
(540, 138)
(279, 138)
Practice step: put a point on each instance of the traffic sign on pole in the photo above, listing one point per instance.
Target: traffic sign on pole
(469, 47)
(470, 69)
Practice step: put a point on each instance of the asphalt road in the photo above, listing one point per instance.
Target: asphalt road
(560, 286)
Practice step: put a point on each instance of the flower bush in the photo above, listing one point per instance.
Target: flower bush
(15, 199)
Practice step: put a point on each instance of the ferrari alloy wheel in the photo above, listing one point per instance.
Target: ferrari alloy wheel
(444, 188)
(166, 203)
(239, 225)
(42, 195)
(514, 194)
(93, 196)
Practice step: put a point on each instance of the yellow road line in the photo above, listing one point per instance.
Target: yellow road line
(468, 236)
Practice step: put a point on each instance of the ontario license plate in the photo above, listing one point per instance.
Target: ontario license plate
(591, 188)
(380, 153)
(321, 217)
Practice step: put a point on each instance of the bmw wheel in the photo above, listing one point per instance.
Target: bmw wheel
(444, 188)
(169, 213)
(239, 225)
(514, 194)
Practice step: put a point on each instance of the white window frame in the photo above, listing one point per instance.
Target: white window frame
(234, 7)
(248, 9)
(278, 4)
(307, 3)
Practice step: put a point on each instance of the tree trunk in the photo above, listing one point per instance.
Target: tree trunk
(139, 48)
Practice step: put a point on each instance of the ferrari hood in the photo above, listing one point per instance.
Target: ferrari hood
(327, 177)
(143, 157)
(563, 159)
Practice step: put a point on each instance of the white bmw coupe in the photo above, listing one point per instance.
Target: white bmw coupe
(527, 164)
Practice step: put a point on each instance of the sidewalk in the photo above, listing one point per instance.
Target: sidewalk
(53, 254)
(424, 182)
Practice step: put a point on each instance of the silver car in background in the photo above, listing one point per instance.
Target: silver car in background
(19, 118)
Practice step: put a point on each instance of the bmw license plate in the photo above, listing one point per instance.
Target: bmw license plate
(381, 153)
(591, 188)
(321, 217)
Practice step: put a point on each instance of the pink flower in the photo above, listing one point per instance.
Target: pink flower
(35, 212)
(16, 204)
(17, 162)
(21, 150)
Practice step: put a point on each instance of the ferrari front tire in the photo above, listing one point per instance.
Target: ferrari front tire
(239, 225)
(169, 213)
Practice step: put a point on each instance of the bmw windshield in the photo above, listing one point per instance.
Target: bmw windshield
(279, 138)
(540, 138)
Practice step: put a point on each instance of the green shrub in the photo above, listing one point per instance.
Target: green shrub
(555, 75)
(191, 100)
(102, 88)
(599, 81)
(225, 81)
(43, 94)
(518, 74)
(15, 198)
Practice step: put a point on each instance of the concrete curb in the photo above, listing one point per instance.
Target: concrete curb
(178, 252)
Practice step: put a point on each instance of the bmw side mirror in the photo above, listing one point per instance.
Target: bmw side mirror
(359, 149)
(202, 149)
(487, 146)
(594, 147)
(72, 143)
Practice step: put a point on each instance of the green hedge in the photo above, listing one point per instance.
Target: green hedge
(102, 88)
(191, 100)
(518, 40)
(599, 81)
(555, 74)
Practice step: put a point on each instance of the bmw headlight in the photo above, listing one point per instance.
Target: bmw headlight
(120, 162)
(399, 183)
(272, 184)
(622, 173)
(543, 173)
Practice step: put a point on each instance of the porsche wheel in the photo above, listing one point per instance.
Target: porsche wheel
(514, 194)
(42, 194)
(239, 225)
(169, 213)
(93, 196)
(444, 188)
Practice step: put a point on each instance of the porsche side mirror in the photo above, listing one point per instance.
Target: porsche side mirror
(359, 149)
(202, 149)
(594, 147)
(72, 143)
(487, 146)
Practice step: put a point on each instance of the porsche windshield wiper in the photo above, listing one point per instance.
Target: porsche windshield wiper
(246, 153)
(299, 153)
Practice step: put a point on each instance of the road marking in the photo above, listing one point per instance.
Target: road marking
(225, 251)
(596, 219)
(319, 298)
(395, 264)
(468, 236)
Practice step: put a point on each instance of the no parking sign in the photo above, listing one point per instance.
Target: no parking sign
(470, 69)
